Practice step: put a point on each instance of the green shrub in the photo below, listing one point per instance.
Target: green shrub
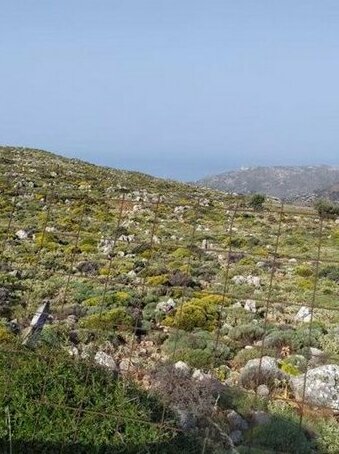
(327, 440)
(154, 281)
(246, 334)
(289, 368)
(196, 313)
(108, 299)
(68, 385)
(330, 272)
(304, 271)
(330, 343)
(46, 240)
(5, 335)
(198, 349)
(257, 201)
(181, 253)
(108, 320)
(298, 362)
(327, 209)
(281, 435)
(246, 354)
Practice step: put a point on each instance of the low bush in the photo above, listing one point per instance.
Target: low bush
(198, 349)
(57, 424)
(327, 209)
(196, 313)
(117, 318)
(281, 435)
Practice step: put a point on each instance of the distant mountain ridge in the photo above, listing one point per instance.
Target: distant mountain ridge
(285, 182)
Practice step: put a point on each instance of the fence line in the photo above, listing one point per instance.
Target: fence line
(122, 208)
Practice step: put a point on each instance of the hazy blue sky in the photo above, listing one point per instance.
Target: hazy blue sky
(177, 88)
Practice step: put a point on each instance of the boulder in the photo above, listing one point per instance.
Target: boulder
(166, 306)
(265, 373)
(104, 360)
(263, 391)
(304, 315)
(250, 306)
(238, 280)
(322, 386)
(254, 280)
(199, 375)
(183, 368)
(21, 234)
(236, 422)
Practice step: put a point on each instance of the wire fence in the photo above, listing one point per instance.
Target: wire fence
(54, 243)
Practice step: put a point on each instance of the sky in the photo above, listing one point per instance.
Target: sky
(175, 88)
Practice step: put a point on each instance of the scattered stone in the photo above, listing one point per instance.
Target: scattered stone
(88, 267)
(304, 315)
(250, 280)
(183, 368)
(73, 351)
(263, 391)
(254, 280)
(236, 421)
(264, 372)
(166, 306)
(238, 280)
(104, 360)
(199, 375)
(322, 386)
(250, 306)
(21, 234)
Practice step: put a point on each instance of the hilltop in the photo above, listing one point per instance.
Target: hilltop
(42, 168)
(172, 318)
(288, 183)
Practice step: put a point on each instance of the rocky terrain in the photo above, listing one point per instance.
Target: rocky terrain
(289, 183)
(142, 315)
(331, 193)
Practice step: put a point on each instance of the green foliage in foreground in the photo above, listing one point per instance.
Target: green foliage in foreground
(56, 401)
(327, 209)
(281, 435)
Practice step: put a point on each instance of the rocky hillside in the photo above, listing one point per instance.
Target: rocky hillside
(286, 183)
(331, 193)
(140, 315)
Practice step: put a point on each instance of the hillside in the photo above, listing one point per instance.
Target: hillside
(169, 318)
(287, 183)
(330, 192)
